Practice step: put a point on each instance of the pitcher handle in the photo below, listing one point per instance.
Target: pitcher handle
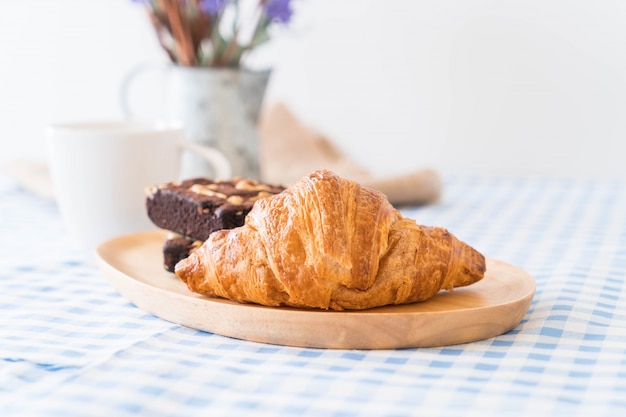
(129, 79)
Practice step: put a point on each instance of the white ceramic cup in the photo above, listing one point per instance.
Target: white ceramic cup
(100, 172)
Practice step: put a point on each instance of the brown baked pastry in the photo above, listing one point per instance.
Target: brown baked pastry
(177, 248)
(329, 243)
(196, 207)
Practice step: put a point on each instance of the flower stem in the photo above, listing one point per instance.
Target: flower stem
(181, 33)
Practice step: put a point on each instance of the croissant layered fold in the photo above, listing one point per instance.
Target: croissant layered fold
(329, 243)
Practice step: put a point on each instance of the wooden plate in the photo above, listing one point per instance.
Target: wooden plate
(494, 305)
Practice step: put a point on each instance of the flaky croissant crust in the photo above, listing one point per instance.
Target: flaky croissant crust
(329, 243)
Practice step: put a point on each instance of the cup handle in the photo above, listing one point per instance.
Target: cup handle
(217, 159)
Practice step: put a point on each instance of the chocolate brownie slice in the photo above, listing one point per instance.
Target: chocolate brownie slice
(195, 208)
(176, 248)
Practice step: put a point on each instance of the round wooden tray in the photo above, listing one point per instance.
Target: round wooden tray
(496, 304)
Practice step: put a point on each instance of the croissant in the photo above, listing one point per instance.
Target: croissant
(329, 243)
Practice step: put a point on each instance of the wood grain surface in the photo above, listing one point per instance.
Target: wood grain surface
(496, 304)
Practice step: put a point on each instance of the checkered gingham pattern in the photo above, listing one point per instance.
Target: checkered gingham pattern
(71, 346)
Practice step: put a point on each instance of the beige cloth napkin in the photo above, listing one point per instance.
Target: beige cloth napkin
(291, 150)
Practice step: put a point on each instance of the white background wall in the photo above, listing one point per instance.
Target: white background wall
(467, 86)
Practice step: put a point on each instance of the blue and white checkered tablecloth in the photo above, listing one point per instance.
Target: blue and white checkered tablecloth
(71, 346)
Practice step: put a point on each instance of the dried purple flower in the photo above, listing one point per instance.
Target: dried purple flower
(191, 32)
(212, 7)
(279, 10)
